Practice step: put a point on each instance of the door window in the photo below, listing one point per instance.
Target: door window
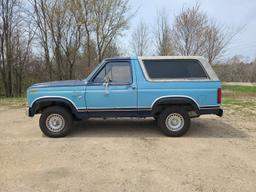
(115, 73)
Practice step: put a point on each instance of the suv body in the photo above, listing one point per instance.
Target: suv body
(170, 89)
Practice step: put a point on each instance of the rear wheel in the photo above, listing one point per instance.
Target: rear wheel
(174, 122)
(55, 122)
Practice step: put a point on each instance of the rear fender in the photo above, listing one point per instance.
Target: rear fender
(177, 101)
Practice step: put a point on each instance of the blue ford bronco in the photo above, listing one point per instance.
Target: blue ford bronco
(172, 90)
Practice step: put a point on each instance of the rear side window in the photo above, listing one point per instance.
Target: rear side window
(174, 69)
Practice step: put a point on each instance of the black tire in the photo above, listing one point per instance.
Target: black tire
(180, 112)
(61, 112)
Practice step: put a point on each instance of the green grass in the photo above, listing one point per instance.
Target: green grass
(239, 99)
(241, 96)
(245, 103)
(239, 88)
(15, 102)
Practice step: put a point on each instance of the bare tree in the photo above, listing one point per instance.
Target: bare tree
(189, 31)
(84, 16)
(59, 39)
(235, 69)
(59, 33)
(71, 41)
(69, 31)
(195, 34)
(163, 35)
(22, 53)
(102, 22)
(7, 13)
(140, 39)
(216, 42)
(110, 20)
(253, 72)
(112, 51)
(55, 15)
(39, 16)
(15, 46)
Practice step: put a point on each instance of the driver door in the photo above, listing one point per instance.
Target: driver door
(112, 88)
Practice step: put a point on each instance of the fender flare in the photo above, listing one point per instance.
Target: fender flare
(177, 100)
(39, 103)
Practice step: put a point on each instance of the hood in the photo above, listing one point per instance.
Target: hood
(60, 83)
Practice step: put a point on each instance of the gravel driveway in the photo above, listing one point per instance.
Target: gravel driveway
(217, 154)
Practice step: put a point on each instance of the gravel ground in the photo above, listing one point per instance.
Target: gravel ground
(217, 154)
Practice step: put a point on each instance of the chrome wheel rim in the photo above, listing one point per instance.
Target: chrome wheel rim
(55, 123)
(174, 122)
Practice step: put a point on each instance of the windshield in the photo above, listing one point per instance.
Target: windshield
(91, 74)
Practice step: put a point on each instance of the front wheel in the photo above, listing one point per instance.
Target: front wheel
(174, 122)
(55, 122)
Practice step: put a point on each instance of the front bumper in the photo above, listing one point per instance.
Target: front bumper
(28, 112)
(211, 110)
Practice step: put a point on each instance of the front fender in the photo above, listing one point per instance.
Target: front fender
(42, 103)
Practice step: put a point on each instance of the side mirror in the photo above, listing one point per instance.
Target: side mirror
(107, 79)
(105, 84)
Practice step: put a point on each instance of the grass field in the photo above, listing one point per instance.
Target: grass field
(13, 102)
(246, 103)
(233, 95)
(239, 96)
(239, 88)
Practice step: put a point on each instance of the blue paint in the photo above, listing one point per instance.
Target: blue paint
(59, 84)
(140, 94)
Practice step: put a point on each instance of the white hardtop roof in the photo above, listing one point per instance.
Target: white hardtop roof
(207, 67)
(170, 57)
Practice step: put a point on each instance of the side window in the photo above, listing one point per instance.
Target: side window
(174, 69)
(100, 77)
(116, 72)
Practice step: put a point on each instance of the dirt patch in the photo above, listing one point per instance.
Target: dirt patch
(217, 154)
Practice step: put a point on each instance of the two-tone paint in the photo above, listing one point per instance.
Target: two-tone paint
(138, 98)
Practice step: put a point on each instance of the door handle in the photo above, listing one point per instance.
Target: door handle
(132, 87)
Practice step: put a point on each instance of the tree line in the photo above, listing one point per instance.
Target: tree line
(45, 40)
(192, 33)
(236, 69)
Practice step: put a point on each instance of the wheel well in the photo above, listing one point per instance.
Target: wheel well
(41, 105)
(185, 103)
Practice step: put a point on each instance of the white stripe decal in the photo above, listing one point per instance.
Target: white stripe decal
(139, 107)
(61, 97)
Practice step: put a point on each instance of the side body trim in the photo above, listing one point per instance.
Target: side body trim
(139, 107)
(121, 112)
(57, 97)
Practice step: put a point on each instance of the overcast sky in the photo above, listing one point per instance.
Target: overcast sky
(234, 14)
